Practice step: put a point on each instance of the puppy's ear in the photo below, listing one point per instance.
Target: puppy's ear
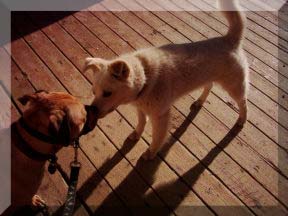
(95, 64)
(120, 70)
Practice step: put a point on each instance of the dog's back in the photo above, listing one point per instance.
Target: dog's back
(192, 65)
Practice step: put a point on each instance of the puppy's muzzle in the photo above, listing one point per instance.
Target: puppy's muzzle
(91, 119)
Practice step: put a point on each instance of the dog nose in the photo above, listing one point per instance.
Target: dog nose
(91, 119)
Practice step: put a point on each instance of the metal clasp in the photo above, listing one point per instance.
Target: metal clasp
(75, 162)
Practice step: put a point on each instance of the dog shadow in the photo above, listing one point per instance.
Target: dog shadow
(147, 170)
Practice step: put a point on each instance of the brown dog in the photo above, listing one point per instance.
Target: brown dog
(51, 121)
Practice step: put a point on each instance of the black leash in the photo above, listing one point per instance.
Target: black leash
(74, 173)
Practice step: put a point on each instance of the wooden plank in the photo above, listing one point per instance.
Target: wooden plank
(120, 28)
(280, 13)
(34, 73)
(100, 30)
(271, 16)
(257, 34)
(68, 74)
(253, 25)
(113, 136)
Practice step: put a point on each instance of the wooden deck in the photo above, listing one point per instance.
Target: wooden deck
(209, 169)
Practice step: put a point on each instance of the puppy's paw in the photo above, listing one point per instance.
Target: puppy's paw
(148, 155)
(37, 201)
(134, 136)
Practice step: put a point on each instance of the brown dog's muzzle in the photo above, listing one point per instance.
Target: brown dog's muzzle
(91, 119)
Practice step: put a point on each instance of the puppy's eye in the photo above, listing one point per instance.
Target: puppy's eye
(107, 94)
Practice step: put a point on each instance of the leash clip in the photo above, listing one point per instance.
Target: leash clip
(75, 162)
(52, 164)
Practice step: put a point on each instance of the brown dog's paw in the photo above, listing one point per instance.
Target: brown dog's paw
(147, 155)
(37, 201)
(134, 136)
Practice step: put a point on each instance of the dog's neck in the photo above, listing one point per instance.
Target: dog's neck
(36, 144)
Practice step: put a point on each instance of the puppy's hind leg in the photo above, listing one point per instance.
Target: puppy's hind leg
(238, 91)
(199, 102)
(136, 134)
(239, 94)
(160, 126)
(242, 104)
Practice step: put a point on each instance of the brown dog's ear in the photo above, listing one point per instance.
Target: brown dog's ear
(31, 97)
(42, 91)
(94, 64)
(120, 70)
(60, 129)
(27, 98)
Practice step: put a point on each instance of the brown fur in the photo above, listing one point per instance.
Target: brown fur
(43, 109)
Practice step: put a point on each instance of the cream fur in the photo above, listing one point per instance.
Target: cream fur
(152, 79)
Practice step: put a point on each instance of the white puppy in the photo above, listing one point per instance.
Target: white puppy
(152, 79)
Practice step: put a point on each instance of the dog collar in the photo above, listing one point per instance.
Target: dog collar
(34, 133)
(31, 153)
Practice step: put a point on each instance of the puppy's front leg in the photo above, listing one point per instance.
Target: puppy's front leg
(136, 134)
(203, 96)
(159, 131)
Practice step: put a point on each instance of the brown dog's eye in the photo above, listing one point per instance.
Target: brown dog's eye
(107, 94)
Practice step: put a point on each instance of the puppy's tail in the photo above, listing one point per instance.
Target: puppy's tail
(236, 19)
